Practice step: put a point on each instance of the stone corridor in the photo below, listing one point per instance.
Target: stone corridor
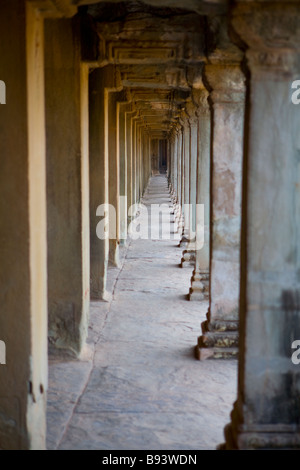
(160, 342)
(139, 386)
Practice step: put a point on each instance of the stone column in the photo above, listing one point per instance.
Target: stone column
(220, 331)
(134, 161)
(189, 256)
(149, 154)
(102, 81)
(23, 230)
(114, 175)
(129, 145)
(113, 178)
(266, 414)
(200, 281)
(139, 161)
(122, 108)
(182, 177)
(178, 212)
(67, 186)
(193, 121)
(169, 160)
(146, 159)
(186, 181)
(174, 166)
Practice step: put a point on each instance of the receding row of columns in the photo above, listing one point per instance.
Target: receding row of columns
(72, 144)
(246, 260)
(74, 152)
(206, 150)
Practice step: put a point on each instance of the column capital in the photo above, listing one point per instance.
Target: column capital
(225, 82)
(130, 112)
(192, 116)
(271, 30)
(200, 98)
(178, 128)
(184, 118)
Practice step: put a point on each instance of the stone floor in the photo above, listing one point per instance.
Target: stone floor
(138, 385)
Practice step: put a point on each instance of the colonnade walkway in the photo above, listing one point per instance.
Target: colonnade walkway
(138, 385)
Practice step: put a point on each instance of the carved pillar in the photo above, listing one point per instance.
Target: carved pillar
(266, 414)
(185, 180)
(182, 176)
(220, 331)
(200, 281)
(188, 256)
(169, 151)
(174, 166)
(178, 212)
(193, 121)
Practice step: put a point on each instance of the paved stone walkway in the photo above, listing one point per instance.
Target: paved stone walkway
(138, 385)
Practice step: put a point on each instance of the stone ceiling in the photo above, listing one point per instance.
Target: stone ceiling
(159, 52)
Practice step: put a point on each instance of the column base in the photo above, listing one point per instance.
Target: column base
(188, 258)
(261, 437)
(103, 296)
(199, 289)
(114, 254)
(215, 353)
(219, 340)
(184, 241)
